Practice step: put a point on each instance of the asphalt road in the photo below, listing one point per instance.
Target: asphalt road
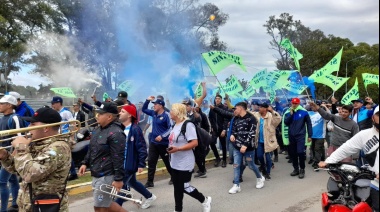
(281, 193)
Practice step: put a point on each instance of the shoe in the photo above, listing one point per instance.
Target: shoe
(302, 174)
(149, 184)
(241, 179)
(275, 159)
(170, 182)
(72, 177)
(290, 161)
(285, 153)
(281, 152)
(310, 161)
(235, 189)
(13, 208)
(260, 182)
(295, 173)
(217, 162)
(224, 164)
(267, 177)
(201, 175)
(287, 157)
(315, 167)
(230, 162)
(272, 165)
(207, 204)
(148, 202)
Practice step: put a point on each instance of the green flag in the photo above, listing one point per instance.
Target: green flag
(64, 91)
(249, 91)
(198, 91)
(272, 95)
(258, 79)
(218, 60)
(129, 86)
(105, 96)
(370, 79)
(351, 94)
(330, 67)
(294, 87)
(333, 82)
(293, 52)
(232, 87)
(277, 79)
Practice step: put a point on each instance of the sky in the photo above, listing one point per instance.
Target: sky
(245, 35)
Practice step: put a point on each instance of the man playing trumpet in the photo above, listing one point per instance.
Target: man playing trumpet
(43, 165)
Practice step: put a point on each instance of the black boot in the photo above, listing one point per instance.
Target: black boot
(301, 174)
(217, 162)
(295, 172)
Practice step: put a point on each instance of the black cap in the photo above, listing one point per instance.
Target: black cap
(188, 102)
(160, 97)
(44, 115)
(119, 102)
(122, 94)
(264, 105)
(160, 102)
(107, 107)
(358, 100)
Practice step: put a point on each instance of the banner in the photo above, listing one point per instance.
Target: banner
(259, 79)
(370, 79)
(294, 87)
(330, 67)
(352, 94)
(218, 60)
(293, 52)
(105, 97)
(199, 91)
(249, 91)
(277, 79)
(65, 92)
(128, 86)
(334, 82)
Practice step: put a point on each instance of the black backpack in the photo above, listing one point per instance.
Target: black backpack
(204, 138)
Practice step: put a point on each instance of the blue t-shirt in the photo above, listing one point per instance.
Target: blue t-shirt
(318, 123)
(261, 132)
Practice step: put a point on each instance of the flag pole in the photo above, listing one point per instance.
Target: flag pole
(308, 95)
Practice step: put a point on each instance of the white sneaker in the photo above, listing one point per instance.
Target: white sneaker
(207, 204)
(148, 202)
(235, 189)
(260, 182)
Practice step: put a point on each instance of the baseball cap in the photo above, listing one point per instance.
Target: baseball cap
(122, 94)
(119, 102)
(160, 102)
(56, 99)
(358, 100)
(9, 99)
(45, 115)
(296, 101)
(107, 107)
(264, 105)
(131, 109)
(318, 102)
(15, 94)
(160, 97)
(188, 102)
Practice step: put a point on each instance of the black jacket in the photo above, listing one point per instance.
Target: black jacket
(205, 124)
(244, 130)
(106, 151)
(218, 122)
(80, 117)
(225, 113)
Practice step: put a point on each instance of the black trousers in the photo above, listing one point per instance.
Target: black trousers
(200, 160)
(155, 151)
(222, 141)
(296, 151)
(181, 185)
(318, 149)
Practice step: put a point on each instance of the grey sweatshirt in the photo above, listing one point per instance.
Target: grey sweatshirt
(343, 129)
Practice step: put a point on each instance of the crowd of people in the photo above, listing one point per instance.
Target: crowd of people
(128, 138)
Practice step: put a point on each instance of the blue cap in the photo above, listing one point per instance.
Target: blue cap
(358, 100)
(160, 102)
(56, 99)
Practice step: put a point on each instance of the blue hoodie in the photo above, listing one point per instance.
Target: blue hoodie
(299, 123)
(24, 110)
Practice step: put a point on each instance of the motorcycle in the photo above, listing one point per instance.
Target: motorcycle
(80, 149)
(348, 188)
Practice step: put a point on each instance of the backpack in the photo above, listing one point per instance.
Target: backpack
(204, 138)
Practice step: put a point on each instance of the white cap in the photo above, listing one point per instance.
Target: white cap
(376, 110)
(15, 94)
(9, 99)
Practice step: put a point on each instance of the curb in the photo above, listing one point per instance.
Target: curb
(87, 187)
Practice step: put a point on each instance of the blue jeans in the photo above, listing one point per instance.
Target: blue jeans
(238, 157)
(6, 177)
(72, 168)
(130, 181)
(268, 158)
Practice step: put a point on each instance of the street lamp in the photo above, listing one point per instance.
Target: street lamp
(347, 64)
(211, 18)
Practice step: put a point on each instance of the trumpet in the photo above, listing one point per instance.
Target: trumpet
(74, 123)
(108, 189)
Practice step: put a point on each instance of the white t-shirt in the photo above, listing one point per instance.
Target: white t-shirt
(182, 160)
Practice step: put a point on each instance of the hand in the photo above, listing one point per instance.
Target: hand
(3, 154)
(242, 149)
(139, 170)
(158, 138)
(270, 109)
(232, 138)
(172, 149)
(313, 106)
(291, 111)
(309, 140)
(118, 185)
(377, 176)
(322, 164)
(80, 101)
(93, 97)
(333, 100)
(21, 140)
(211, 106)
(150, 98)
(369, 99)
(223, 133)
(82, 170)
